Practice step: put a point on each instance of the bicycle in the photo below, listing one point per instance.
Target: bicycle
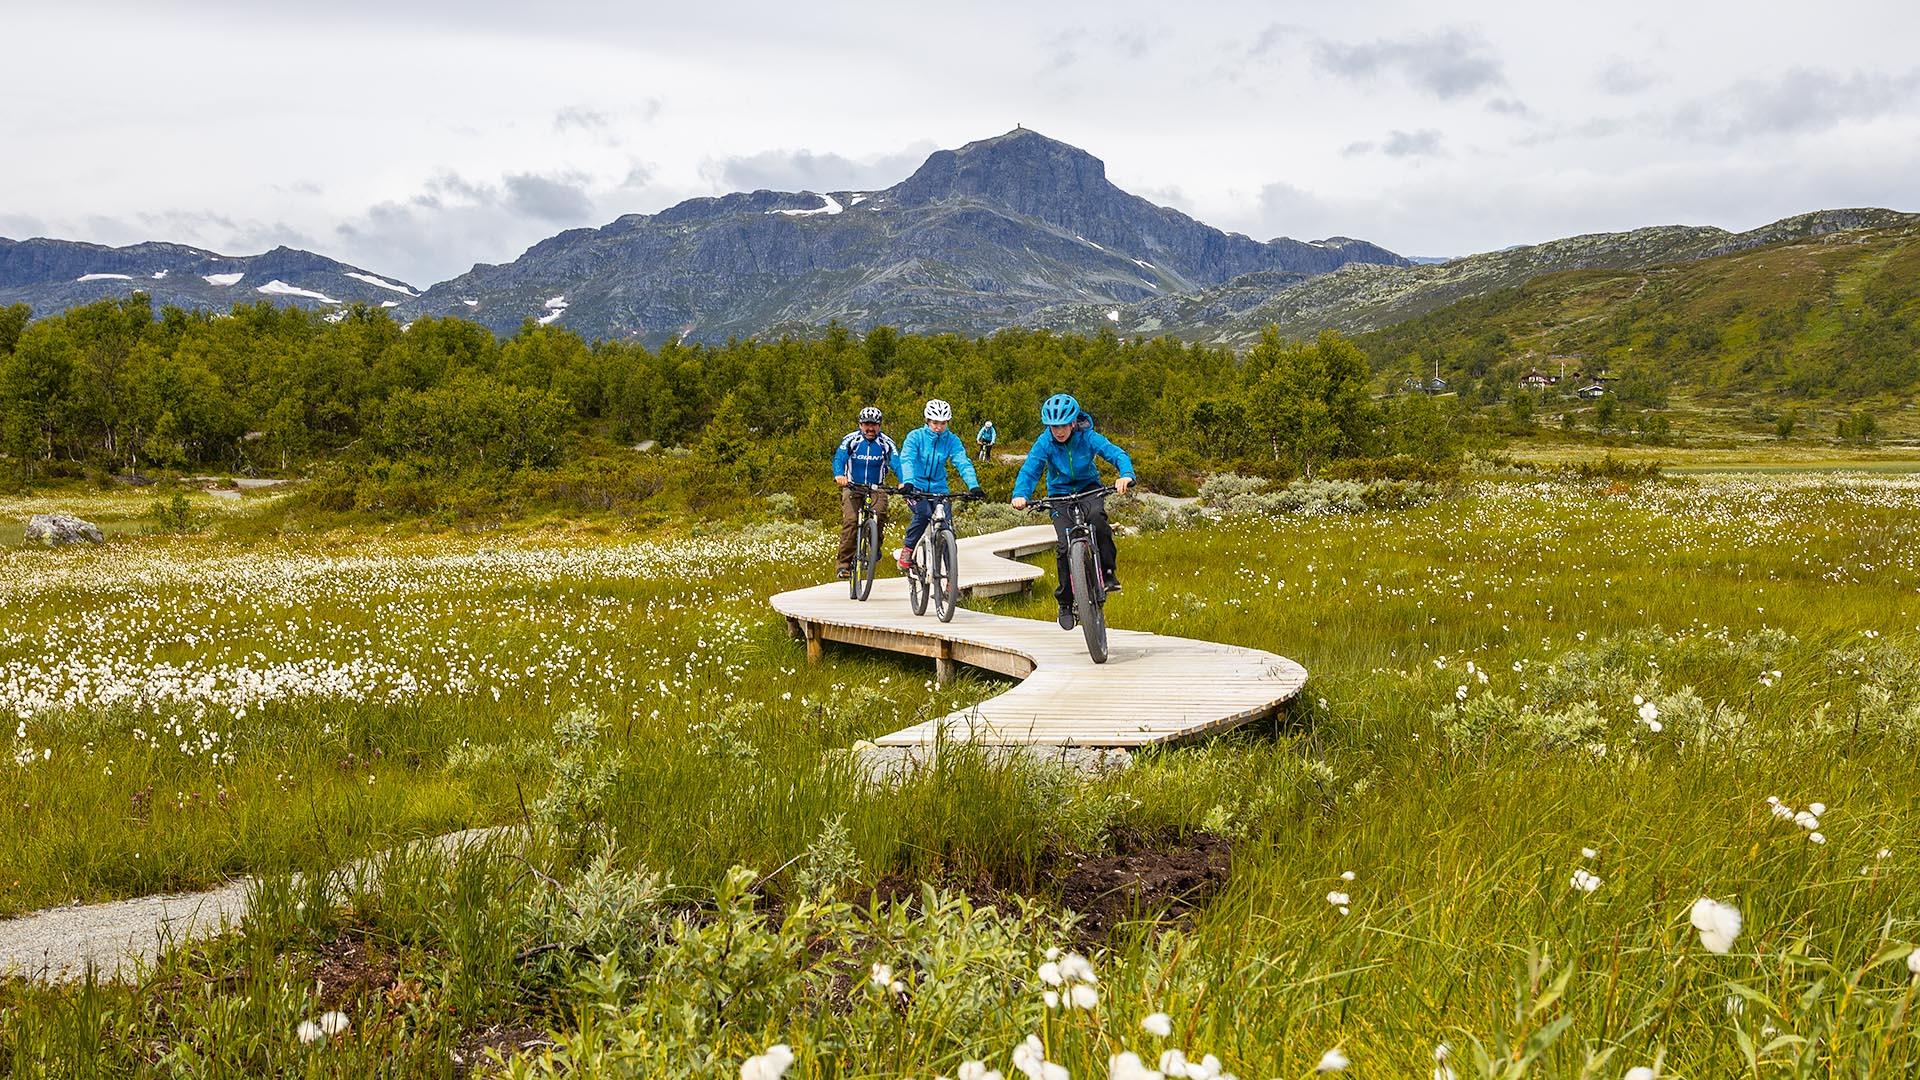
(867, 545)
(1086, 578)
(933, 570)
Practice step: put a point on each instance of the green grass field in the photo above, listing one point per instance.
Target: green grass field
(1524, 681)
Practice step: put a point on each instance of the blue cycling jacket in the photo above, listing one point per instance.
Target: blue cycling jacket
(865, 460)
(924, 457)
(1069, 467)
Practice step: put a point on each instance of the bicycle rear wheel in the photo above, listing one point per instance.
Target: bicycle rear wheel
(866, 557)
(946, 575)
(1086, 602)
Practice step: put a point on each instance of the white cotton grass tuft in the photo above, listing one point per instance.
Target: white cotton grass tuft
(1442, 1070)
(1589, 853)
(1584, 881)
(1050, 974)
(1077, 968)
(977, 1070)
(1913, 960)
(1817, 837)
(1157, 1024)
(771, 1065)
(1641, 1072)
(1719, 924)
(334, 1023)
(1084, 996)
(308, 1033)
(1334, 1060)
(880, 975)
(1128, 1066)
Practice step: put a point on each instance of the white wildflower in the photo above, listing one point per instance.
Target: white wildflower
(1050, 974)
(1338, 898)
(1817, 837)
(1640, 1072)
(881, 975)
(334, 1023)
(1128, 1066)
(771, 1065)
(309, 1032)
(1584, 881)
(1050, 998)
(1589, 853)
(977, 1070)
(1817, 808)
(1913, 961)
(1076, 967)
(1332, 1061)
(1159, 1024)
(1084, 996)
(1346, 875)
(1719, 924)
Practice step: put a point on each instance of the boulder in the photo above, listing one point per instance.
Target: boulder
(59, 530)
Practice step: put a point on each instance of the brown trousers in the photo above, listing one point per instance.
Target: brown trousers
(850, 523)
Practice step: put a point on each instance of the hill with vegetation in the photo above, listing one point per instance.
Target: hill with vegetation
(1826, 322)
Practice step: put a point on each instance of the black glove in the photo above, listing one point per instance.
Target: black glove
(907, 489)
(976, 493)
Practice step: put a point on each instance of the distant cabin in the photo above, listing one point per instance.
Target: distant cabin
(1591, 391)
(1538, 380)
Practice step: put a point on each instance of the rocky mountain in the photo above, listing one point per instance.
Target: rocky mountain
(53, 275)
(977, 238)
(1362, 297)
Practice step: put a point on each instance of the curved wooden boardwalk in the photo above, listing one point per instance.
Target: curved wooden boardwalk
(1152, 689)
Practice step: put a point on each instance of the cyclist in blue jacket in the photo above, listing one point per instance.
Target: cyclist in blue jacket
(865, 456)
(922, 466)
(1064, 455)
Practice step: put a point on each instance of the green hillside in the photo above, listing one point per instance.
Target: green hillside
(1814, 329)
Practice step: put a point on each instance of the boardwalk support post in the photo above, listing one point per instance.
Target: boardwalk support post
(943, 667)
(813, 643)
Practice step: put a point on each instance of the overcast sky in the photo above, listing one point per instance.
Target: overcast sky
(415, 139)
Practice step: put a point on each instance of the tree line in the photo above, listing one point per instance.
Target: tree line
(117, 387)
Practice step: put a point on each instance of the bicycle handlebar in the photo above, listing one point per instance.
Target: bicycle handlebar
(1052, 501)
(930, 496)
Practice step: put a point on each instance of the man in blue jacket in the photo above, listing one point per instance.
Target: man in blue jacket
(922, 466)
(1064, 455)
(865, 456)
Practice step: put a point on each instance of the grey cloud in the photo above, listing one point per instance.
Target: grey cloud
(580, 117)
(21, 226)
(1449, 64)
(547, 198)
(804, 170)
(1623, 77)
(1797, 101)
(1400, 144)
(1507, 106)
(1272, 37)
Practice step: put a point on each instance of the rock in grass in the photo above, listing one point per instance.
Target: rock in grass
(59, 530)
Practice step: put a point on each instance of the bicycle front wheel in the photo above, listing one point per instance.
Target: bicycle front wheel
(866, 557)
(946, 576)
(1086, 602)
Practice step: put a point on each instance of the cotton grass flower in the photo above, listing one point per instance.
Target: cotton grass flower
(1719, 924)
(1589, 853)
(1585, 882)
(1332, 1061)
(771, 1065)
(335, 1023)
(308, 1033)
(1084, 996)
(1128, 1066)
(1442, 1070)
(977, 1070)
(1641, 1072)
(1913, 960)
(880, 975)
(1157, 1024)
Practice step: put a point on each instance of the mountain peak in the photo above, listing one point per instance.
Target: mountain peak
(1022, 170)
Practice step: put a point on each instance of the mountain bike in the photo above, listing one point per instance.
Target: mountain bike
(934, 566)
(866, 552)
(1086, 578)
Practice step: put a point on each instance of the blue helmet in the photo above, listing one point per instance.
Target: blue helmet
(1059, 409)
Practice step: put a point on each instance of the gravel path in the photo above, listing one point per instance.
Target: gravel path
(117, 939)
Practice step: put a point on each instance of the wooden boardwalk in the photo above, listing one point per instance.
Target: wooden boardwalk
(1152, 689)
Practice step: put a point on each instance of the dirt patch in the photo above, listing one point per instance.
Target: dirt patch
(1165, 872)
(347, 971)
(469, 1055)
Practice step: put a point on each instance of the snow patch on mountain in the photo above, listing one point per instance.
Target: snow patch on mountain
(831, 208)
(381, 283)
(224, 279)
(276, 287)
(104, 277)
(556, 306)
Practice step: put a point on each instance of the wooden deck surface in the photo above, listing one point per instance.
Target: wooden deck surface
(1152, 689)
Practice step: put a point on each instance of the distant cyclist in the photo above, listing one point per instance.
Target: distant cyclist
(922, 466)
(1064, 455)
(985, 437)
(865, 456)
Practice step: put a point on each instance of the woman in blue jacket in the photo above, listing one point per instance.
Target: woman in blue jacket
(1064, 455)
(922, 464)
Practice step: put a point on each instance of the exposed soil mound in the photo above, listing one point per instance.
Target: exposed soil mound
(1159, 873)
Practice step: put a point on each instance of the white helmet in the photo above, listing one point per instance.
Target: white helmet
(939, 410)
